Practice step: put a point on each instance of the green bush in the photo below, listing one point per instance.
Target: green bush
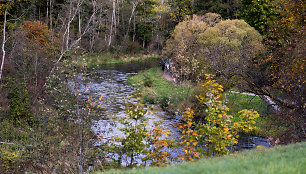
(10, 156)
(20, 109)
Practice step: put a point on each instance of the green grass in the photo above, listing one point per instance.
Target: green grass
(163, 89)
(287, 159)
(265, 127)
(98, 60)
(175, 97)
(156, 89)
(237, 102)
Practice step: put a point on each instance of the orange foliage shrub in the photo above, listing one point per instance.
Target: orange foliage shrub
(37, 31)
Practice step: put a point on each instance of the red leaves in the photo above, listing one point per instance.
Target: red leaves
(37, 31)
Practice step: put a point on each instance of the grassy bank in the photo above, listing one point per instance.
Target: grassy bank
(156, 89)
(266, 127)
(237, 102)
(97, 60)
(281, 159)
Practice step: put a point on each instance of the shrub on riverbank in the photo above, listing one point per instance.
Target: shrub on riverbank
(218, 130)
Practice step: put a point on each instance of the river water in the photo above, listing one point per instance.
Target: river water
(111, 83)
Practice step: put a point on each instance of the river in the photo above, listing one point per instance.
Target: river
(111, 83)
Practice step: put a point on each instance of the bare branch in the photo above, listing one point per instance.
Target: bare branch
(66, 34)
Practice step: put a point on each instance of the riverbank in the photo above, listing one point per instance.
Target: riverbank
(158, 87)
(96, 61)
(280, 159)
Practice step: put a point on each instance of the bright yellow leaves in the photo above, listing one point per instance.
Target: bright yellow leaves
(219, 131)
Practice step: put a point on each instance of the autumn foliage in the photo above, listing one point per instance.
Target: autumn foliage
(284, 65)
(189, 138)
(220, 130)
(159, 140)
(207, 44)
(37, 31)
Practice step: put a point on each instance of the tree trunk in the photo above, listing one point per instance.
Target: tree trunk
(271, 103)
(132, 14)
(3, 44)
(112, 23)
(50, 15)
(134, 29)
(65, 38)
(80, 23)
(192, 5)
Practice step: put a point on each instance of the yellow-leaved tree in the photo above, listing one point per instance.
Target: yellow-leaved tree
(219, 132)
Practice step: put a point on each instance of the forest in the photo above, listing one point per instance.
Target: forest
(98, 85)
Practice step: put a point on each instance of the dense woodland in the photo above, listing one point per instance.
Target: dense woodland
(255, 46)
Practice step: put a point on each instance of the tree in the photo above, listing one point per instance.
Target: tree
(219, 131)
(4, 8)
(284, 64)
(205, 44)
(3, 43)
(180, 8)
(257, 13)
(226, 8)
(73, 9)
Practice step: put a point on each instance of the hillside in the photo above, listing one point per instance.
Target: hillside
(281, 159)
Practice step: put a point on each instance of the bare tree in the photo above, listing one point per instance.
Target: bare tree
(113, 23)
(50, 15)
(3, 44)
(74, 9)
(134, 5)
